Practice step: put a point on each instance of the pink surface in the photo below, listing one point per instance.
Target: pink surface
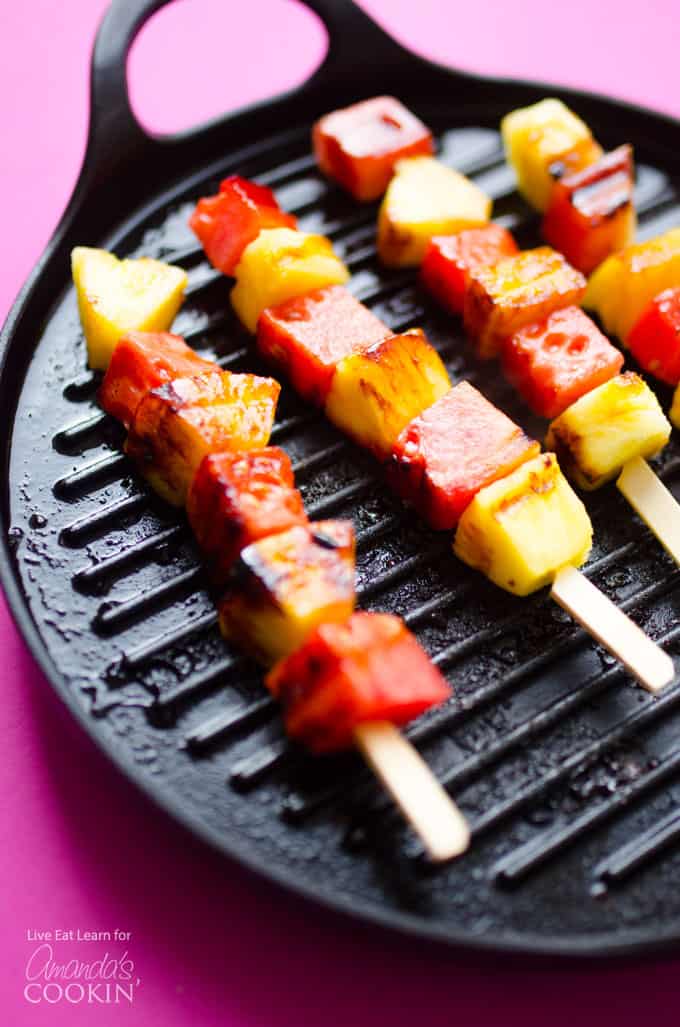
(80, 849)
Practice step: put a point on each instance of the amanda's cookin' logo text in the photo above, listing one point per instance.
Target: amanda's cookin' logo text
(105, 980)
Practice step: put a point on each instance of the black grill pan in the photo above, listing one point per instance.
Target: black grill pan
(569, 774)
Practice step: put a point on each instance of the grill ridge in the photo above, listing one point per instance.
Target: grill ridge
(631, 857)
(92, 578)
(198, 682)
(92, 476)
(229, 721)
(652, 710)
(111, 617)
(90, 525)
(73, 438)
(534, 854)
(141, 654)
(249, 771)
(81, 388)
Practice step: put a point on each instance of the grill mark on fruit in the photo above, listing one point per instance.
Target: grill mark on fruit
(325, 541)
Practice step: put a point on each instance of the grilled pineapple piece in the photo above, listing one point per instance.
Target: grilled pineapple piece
(374, 394)
(520, 531)
(120, 296)
(606, 428)
(518, 291)
(622, 286)
(179, 423)
(538, 137)
(425, 198)
(285, 585)
(280, 264)
(675, 409)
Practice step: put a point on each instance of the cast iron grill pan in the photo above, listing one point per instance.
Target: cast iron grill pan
(570, 775)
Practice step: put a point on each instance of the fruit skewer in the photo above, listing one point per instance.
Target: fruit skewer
(199, 435)
(587, 199)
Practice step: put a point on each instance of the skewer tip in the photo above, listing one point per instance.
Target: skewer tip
(613, 629)
(426, 805)
(652, 502)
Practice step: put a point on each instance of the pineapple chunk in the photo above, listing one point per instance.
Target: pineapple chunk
(606, 428)
(536, 137)
(374, 394)
(285, 585)
(425, 198)
(120, 296)
(520, 531)
(622, 286)
(179, 423)
(518, 291)
(280, 264)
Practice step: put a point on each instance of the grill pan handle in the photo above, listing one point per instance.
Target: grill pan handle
(124, 164)
(115, 137)
(355, 42)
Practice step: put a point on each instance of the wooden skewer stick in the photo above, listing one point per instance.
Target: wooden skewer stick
(429, 809)
(613, 629)
(652, 501)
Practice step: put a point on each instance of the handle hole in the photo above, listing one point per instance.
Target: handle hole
(196, 60)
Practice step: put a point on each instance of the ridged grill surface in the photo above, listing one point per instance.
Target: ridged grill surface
(569, 774)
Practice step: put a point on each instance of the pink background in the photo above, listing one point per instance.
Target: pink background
(80, 848)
